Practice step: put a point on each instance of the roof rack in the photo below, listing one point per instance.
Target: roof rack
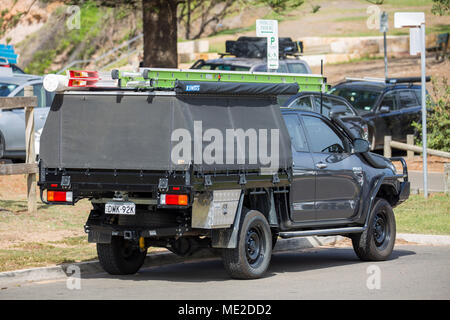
(165, 79)
(406, 80)
(371, 79)
(256, 47)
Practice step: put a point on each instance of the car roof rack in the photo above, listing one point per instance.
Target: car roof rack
(370, 79)
(166, 79)
(406, 80)
(256, 47)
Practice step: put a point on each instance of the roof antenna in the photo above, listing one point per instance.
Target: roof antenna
(321, 89)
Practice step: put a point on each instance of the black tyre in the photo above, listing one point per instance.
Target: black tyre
(377, 241)
(251, 257)
(120, 256)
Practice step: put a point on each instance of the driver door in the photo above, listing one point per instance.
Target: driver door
(339, 177)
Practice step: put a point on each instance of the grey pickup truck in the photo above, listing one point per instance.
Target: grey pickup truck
(217, 165)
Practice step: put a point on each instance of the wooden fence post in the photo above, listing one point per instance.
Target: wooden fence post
(30, 153)
(446, 177)
(410, 140)
(387, 146)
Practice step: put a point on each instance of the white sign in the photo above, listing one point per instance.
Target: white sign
(269, 30)
(266, 28)
(408, 19)
(415, 41)
(272, 53)
(384, 23)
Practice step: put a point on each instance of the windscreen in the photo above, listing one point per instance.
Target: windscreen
(6, 88)
(361, 99)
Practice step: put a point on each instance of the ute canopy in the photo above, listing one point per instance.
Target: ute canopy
(137, 131)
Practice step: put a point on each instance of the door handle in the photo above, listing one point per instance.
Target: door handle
(321, 165)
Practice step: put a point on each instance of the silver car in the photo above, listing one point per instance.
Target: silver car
(12, 122)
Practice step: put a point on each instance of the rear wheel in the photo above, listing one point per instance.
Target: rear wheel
(251, 257)
(120, 256)
(377, 241)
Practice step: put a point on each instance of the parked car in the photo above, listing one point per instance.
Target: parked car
(100, 145)
(250, 55)
(4, 63)
(311, 101)
(389, 107)
(12, 122)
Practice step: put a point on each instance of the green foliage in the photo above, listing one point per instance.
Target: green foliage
(438, 120)
(441, 7)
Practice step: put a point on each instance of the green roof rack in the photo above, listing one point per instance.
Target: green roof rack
(159, 78)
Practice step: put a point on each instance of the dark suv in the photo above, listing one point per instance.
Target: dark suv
(389, 107)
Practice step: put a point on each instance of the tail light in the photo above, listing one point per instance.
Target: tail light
(59, 196)
(174, 199)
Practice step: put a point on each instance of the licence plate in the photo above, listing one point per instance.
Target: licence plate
(128, 208)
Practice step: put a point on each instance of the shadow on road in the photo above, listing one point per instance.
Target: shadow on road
(212, 270)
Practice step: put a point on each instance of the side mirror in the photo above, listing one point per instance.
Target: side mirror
(337, 111)
(385, 109)
(361, 146)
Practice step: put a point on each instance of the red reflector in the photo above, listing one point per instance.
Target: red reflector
(54, 185)
(171, 199)
(176, 188)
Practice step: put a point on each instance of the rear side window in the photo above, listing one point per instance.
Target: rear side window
(303, 103)
(407, 99)
(326, 105)
(336, 103)
(263, 68)
(40, 93)
(323, 138)
(389, 101)
(298, 139)
(297, 68)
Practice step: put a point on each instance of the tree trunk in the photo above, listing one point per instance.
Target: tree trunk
(160, 33)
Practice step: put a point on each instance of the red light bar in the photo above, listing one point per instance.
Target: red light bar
(174, 199)
(83, 74)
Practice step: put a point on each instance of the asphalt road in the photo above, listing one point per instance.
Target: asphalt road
(435, 181)
(414, 272)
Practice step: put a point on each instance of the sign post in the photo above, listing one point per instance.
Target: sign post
(384, 27)
(416, 22)
(269, 30)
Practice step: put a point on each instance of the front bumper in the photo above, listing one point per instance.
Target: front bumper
(405, 186)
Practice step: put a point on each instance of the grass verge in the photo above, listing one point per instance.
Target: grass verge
(417, 215)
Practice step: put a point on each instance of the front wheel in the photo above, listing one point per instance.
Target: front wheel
(376, 243)
(251, 257)
(120, 257)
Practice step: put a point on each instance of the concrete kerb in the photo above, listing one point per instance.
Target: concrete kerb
(11, 278)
